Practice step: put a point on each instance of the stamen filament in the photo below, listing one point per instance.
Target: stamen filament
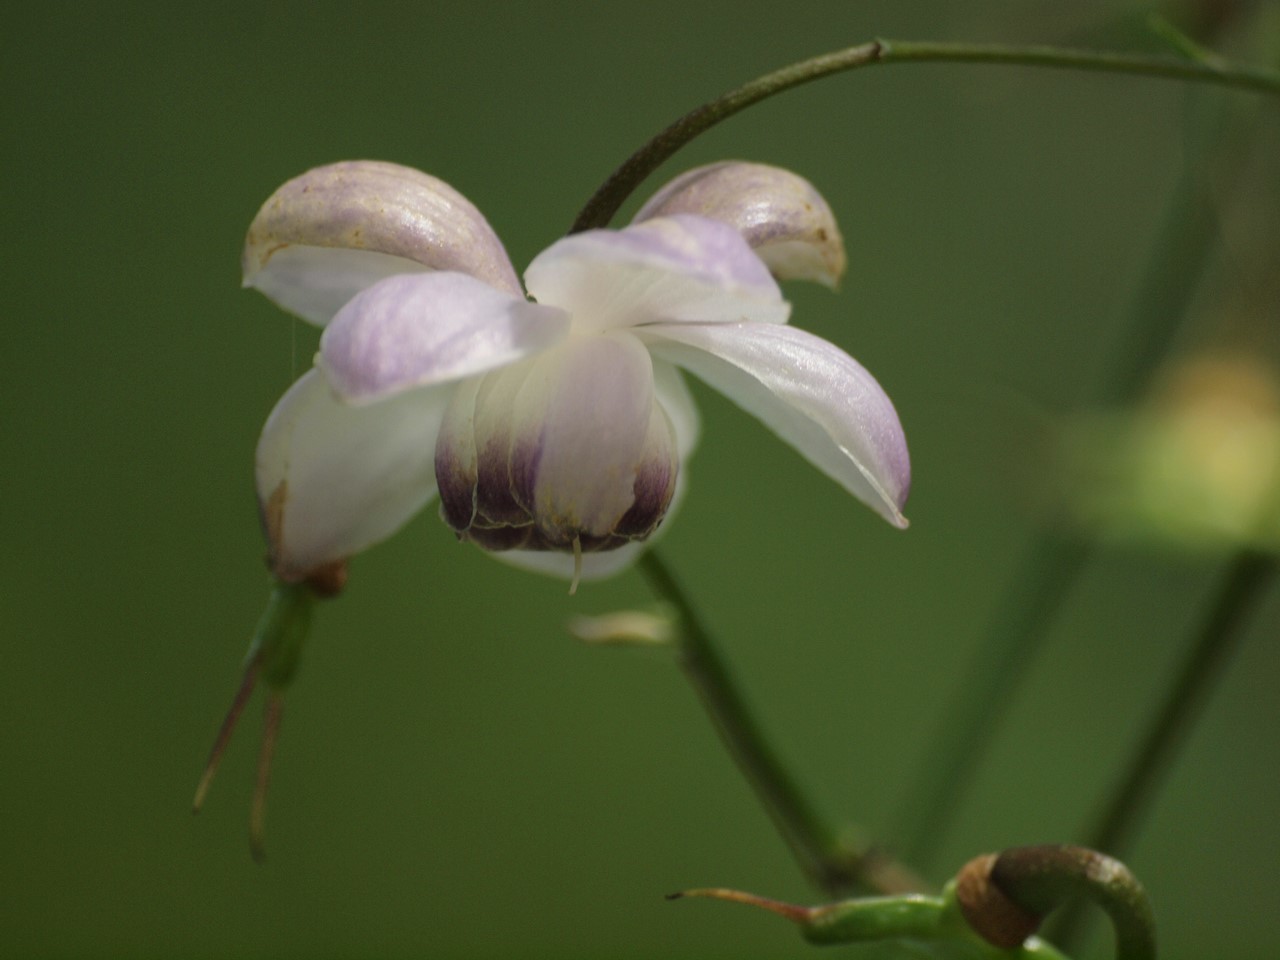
(577, 565)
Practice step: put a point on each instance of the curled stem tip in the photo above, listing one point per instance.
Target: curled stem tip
(1006, 896)
(247, 683)
(258, 813)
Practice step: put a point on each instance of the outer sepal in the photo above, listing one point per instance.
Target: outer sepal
(329, 233)
(779, 213)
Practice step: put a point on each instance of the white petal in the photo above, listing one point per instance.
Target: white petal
(680, 268)
(674, 397)
(335, 479)
(414, 330)
(335, 230)
(811, 393)
(779, 213)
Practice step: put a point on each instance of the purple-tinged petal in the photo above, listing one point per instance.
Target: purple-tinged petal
(455, 457)
(414, 330)
(779, 213)
(334, 479)
(589, 443)
(595, 566)
(667, 269)
(335, 230)
(811, 393)
(569, 450)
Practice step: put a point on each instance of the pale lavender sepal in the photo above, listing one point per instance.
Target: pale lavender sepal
(334, 479)
(681, 268)
(413, 330)
(780, 214)
(808, 391)
(334, 230)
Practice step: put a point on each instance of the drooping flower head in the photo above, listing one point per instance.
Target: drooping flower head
(553, 426)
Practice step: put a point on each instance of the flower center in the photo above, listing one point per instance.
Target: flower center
(570, 445)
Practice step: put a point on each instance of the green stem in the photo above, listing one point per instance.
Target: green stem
(828, 860)
(1051, 564)
(1245, 585)
(606, 201)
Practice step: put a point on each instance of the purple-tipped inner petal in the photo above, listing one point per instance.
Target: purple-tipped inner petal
(570, 446)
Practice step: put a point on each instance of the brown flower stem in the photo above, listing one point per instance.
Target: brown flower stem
(266, 753)
(247, 682)
(830, 861)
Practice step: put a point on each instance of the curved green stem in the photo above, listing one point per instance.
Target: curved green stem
(828, 859)
(602, 206)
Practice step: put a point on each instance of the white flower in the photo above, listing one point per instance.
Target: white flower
(553, 427)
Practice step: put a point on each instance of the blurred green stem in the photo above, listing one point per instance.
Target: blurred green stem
(983, 696)
(1246, 582)
(834, 864)
(606, 201)
(1052, 563)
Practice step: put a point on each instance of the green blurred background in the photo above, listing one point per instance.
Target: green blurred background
(457, 776)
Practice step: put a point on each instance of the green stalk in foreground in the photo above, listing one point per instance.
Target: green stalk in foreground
(606, 201)
(1245, 586)
(1053, 560)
